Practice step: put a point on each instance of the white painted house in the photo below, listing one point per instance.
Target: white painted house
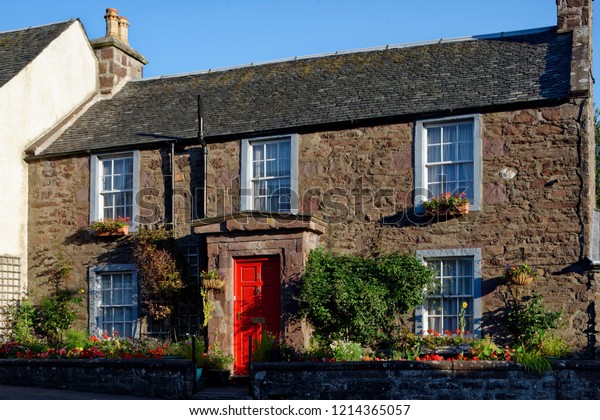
(46, 74)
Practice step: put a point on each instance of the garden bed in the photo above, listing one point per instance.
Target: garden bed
(156, 378)
(410, 380)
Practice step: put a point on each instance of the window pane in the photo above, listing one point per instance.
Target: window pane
(272, 169)
(272, 150)
(465, 132)
(129, 166)
(118, 182)
(107, 167)
(107, 183)
(119, 166)
(450, 134)
(258, 152)
(434, 135)
(257, 169)
(434, 154)
(128, 182)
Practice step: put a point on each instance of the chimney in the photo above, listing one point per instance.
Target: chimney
(117, 61)
(573, 14)
(112, 22)
(575, 17)
(124, 29)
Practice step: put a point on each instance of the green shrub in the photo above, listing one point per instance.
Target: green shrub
(531, 320)
(359, 299)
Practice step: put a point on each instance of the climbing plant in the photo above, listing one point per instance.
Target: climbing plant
(155, 255)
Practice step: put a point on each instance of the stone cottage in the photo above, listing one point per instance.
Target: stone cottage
(257, 165)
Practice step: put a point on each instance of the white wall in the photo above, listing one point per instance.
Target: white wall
(52, 86)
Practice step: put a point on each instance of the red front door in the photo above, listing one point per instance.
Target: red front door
(257, 304)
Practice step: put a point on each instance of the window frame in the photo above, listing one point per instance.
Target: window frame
(96, 209)
(420, 163)
(420, 313)
(95, 295)
(246, 190)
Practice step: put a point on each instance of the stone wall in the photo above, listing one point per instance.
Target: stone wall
(59, 215)
(158, 378)
(536, 203)
(404, 380)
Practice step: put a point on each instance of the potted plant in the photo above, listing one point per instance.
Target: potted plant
(212, 279)
(111, 227)
(520, 274)
(218, 364)
(447, 204)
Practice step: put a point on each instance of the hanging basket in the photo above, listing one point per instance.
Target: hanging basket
(215, 284)
(521, 279)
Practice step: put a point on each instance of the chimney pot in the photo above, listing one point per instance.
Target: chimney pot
(112, 22)
(124, 29)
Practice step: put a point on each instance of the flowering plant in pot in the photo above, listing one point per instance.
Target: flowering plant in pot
(212, 279)
(520, 274)
(111, 227)
(453, 204)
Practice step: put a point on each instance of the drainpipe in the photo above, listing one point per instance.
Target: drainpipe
(205, 153)
(173, 186)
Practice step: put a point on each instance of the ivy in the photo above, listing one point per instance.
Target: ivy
(359, 299)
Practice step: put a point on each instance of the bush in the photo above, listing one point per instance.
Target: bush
(359, 299)
(531, 320)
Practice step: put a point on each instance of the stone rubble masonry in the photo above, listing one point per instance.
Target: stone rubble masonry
(359, 182)
(156, 378)
(59, 215)
(407, 381)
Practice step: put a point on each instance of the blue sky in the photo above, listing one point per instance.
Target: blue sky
(180, 36)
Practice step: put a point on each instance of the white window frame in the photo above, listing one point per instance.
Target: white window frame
(246, 193)
(421, 180)
(96, 203)
(421, 324)
(95, 295)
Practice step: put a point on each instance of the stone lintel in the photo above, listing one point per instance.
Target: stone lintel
(252, 222)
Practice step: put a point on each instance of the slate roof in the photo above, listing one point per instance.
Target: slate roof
(19, 48)
(286, 96)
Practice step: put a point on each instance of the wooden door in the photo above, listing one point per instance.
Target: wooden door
(257, 304)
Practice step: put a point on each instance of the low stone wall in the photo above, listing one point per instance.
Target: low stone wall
(159, 378)
(404, 380)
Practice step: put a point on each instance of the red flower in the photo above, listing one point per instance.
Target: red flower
(93, 339)
(435, 333)
(457, 331)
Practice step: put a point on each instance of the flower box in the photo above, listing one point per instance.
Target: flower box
(122, 231)
(446, 211)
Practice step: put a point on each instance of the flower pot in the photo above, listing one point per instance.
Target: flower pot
(122, 231)
(521, 279)
(216, 284)
(445, 211)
